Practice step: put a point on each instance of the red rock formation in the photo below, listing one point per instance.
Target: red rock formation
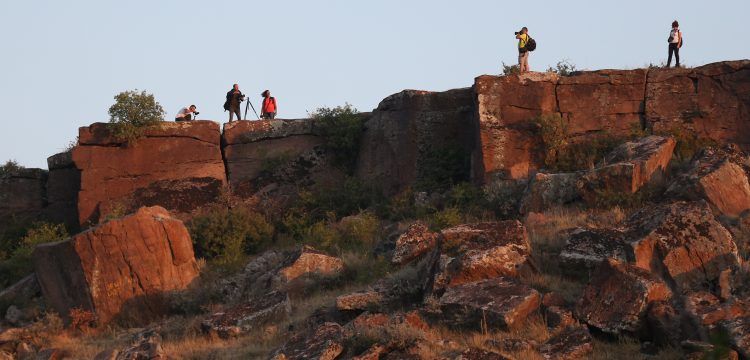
(411, 127)
(262, 153)
(325, 343)
(118, 269)
(508, 146)
(720, 176)
(630, 167)
(617, 299)
(415, 242)
(573, 342)
(177, 165)
(483, 251)
(498, 303)
(711, 101)
(242, 318)
(604, 100)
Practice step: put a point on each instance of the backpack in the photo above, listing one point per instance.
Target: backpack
(531, 44)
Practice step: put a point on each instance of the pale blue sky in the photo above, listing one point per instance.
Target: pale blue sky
(63, 61)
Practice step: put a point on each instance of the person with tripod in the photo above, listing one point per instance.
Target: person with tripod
(187, 113)
(268, 110)
(234, 98)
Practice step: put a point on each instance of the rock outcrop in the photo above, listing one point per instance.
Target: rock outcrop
(719, 176)
(264, 310)
(617, 299)
(176, 165)
(413, 243)
(22, 196)
(63, 185)
(263, 155)
(411, 130)
(120, 269)
(498, 303)
(710, 101)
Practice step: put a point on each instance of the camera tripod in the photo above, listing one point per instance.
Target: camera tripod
(251, 105)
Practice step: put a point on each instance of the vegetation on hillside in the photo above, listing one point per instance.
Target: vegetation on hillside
(17, 261)
(341, 128)
(10, 167)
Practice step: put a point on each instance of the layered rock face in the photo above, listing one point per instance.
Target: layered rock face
(261, 155)
(712, 101)
(120, 269)
(63, 185)
(709, 102)
(175, 165)
(409, 130)
(22, 196)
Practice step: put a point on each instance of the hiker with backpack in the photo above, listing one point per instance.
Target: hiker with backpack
(525, 45)
(268, 110)
(675, 43)
(187, 113)
(234, 98)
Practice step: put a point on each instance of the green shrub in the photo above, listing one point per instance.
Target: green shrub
(225, 236)
(19, 263)
(132, 112)
(10, 167)
(357, 233)
(446, 218)
(341, 128)
(350, 197)
(441, 167)
(687, 143)
(511, 69)
(563, 68)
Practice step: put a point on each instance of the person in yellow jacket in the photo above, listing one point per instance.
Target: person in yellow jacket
(523, 54)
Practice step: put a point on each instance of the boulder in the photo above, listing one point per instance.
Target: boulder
(415, 242)
(478, 354)
(684, 240)
(630, 167)
(617, 298)
(665, 323)
(144, 345)
(410, 131)
(509, 147)
(585, 249)
(710, 101)
(497, 303)
(361, 300)
(483, 251)
(22, 196)
(611, 101)
(325, 343)
(548, 190)
(275, 270)
(121, 268)
(237, 320)
(719, 176)
(22, 292)
(177, 165)
(573, 342)
(738, 330)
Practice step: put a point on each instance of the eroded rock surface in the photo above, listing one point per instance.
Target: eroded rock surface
(415, 242)
(325, 343)
(121, 268)
(499, 303)
(239, 319)
(617, 299)
(176, 165)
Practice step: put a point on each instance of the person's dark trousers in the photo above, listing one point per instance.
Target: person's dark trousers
(270, 116)
(235, 111)
(674, 48)
(187, 117)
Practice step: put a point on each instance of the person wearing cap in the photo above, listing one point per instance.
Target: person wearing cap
(523, 53)
(268, 110)
(187, 113)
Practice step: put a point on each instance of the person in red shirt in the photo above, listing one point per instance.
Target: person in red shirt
(268, 110)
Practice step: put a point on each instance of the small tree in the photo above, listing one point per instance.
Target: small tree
(563, 68)
(511, 69)
(132, 112)
(11, 166)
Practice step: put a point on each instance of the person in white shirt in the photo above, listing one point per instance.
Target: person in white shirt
(675, 43)
(186, 114)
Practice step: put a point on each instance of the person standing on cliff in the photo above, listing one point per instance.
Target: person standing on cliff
(523, 54)
(186, 113)
(675, 43)
(234, 99)
(268, 110)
